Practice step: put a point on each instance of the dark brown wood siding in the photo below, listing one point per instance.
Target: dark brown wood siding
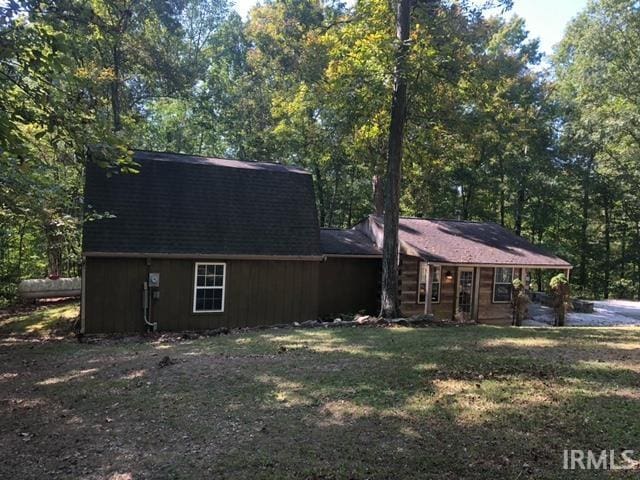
(257, 292)
(349, 285)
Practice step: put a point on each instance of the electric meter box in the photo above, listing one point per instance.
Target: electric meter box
(154, 280)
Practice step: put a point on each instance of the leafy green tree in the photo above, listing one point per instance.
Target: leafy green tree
(595, 65)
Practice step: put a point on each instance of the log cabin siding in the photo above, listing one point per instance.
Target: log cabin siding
(257, 292)
(488, 311)
(484, 312)
(408, 284)
(444, 310)
(409, 276)
(349, 285)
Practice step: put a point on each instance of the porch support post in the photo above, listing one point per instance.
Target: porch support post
(454, 309)
(427, 290)
(540, 288)
(476, 294)
(567, 273)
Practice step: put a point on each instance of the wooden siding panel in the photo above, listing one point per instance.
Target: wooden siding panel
(408, 283)
(349, 285)
(113, 292)
(256, 293)
(409, 272)
(489, 312)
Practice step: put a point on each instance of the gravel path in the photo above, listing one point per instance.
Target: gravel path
(607, 313)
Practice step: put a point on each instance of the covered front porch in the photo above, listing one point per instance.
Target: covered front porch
(462, 292)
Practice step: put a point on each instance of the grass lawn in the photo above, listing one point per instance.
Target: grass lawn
(42, 321)
(353, 403)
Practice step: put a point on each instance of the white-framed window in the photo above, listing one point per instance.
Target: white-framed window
(502, 284)
(208, 287)
(435, 283)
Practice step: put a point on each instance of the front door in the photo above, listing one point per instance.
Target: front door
(464, 302)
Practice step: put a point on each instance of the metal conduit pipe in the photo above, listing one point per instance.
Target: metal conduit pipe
(146, 307)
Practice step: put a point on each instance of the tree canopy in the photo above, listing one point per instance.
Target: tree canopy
(547, 147)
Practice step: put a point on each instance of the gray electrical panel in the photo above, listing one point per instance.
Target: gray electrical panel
(154, 280)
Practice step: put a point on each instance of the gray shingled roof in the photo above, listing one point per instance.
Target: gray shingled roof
(183, 204)
(334, 241)
(459, 242)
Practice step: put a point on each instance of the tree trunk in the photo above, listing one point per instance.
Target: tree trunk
(637, 261)
(390, 305)
(583, 229)
(519, 208)
(320, 195)
(332, 200)
(466, 202)
(116, 103)
(21, 249)
(607, 245)
(502, 200)
(623, 250)
(351, 195)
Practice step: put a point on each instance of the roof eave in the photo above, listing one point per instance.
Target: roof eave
(201, 256)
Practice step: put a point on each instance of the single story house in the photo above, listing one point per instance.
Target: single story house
(460, 269)
(200, 243)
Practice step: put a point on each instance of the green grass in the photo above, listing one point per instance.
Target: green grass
(40, 321)
(449, 402)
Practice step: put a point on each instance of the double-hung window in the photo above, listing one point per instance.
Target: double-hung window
(208, 290)
(435, 283)
(502, 285)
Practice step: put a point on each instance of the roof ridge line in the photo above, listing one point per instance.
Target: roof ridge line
(434, 219)
(349, 229)
(289, 168)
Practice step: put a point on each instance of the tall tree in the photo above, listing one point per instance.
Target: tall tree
(390, 302)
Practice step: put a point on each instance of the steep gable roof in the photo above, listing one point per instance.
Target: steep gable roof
(463, 242)
(183, 204)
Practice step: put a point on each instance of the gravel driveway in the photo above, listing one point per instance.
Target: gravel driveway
(607, 313)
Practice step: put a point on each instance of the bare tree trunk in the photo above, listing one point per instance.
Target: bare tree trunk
(583, 230)
(519, 209)
(320, 194)
(390, 305)
(607, 245)
(502, 200)
(116, 103)
(637, 260)
(466, 202)
(337, 177)
(623, 249)
(21, 249)
(351, 195)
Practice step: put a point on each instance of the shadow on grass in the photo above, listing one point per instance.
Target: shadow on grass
(469, 402)
(52, 318)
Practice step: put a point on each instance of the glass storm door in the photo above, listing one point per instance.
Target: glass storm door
(465, 293)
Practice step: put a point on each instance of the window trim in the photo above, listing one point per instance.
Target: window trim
(435, 267)
(196, 287)
(493, 293)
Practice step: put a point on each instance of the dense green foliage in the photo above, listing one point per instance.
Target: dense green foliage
(491, 135)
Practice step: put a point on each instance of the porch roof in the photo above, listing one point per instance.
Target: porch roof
(472, 243)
